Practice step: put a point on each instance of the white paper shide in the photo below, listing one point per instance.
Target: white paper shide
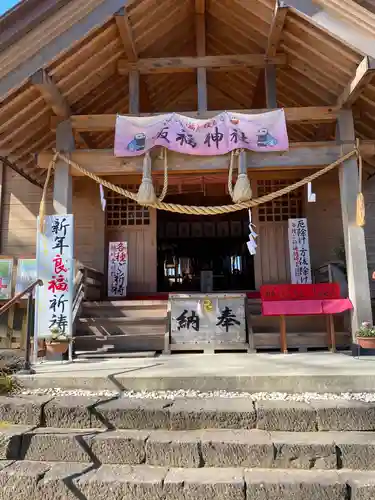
(299, 251)
(251, 244)
(117, 268)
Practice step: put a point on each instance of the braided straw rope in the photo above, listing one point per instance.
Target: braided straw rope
(223, 209)
(165, 183)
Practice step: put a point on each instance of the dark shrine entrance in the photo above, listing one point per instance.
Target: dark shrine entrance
(203, 253)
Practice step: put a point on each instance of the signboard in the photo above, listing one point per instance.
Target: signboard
(319, 291)
(117, 268)
(6, 272)
(219, 135)
(299, 252)
(55, 266)
(26, 274)
(214, 318)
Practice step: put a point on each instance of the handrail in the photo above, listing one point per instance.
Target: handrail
(19, 296)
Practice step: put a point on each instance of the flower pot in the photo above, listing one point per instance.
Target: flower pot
(366, 342)
(41, 349)
(57, 347)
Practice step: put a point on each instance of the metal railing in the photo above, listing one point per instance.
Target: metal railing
(30, 326)
(88, 284)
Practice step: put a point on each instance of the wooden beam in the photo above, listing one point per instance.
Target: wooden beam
(97, 15)
(126, 35)
(200, 6)
(103, 123)
(54, 98)
(362, 77)
(189, 64)
(50, 93)
(300, 155)
(200, 32)
(128, 42)
(277, 26)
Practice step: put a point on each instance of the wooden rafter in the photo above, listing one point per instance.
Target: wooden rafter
(58, 33)
(277, 26)
(54, 98)
(188, 64)
(362, 77)
(126, 35)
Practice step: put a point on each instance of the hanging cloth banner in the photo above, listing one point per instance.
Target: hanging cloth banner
(219, 135)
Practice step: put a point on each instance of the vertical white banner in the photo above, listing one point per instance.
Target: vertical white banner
(117, 268)
(299, 251)
(55, 267)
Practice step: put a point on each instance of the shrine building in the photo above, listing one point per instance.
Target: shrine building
(97, 95)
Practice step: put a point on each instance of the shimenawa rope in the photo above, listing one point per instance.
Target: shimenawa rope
(213, 210)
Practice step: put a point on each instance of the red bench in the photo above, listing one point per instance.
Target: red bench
(303, 300)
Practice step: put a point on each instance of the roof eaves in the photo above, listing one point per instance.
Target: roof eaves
(25, 16)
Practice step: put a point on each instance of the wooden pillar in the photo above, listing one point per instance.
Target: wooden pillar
(270, 85)
(2, 193)
(354, 237)
(62, 189)
(201, 72)
(134, 92)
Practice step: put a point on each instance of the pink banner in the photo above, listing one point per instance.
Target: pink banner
(216, 136)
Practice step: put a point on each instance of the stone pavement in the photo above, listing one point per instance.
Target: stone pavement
(299, 372)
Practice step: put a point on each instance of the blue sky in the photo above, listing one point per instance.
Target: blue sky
(6, 4)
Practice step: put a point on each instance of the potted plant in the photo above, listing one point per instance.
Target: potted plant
(57, 342)
(366, 335)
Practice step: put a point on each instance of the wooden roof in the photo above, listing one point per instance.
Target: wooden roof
(85, 79)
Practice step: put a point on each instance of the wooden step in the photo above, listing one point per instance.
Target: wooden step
(144, 320)
(146, 341)
(127, 304)
(119, 312)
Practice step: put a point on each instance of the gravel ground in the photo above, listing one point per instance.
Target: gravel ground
(278, 396)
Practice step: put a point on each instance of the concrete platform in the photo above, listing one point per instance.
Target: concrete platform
(308, 372)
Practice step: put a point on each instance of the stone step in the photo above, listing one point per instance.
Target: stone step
(187, 414)
(26, 480)
(192, 449)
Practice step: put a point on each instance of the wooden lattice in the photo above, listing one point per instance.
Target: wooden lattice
(283, 208)
(122, 211)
